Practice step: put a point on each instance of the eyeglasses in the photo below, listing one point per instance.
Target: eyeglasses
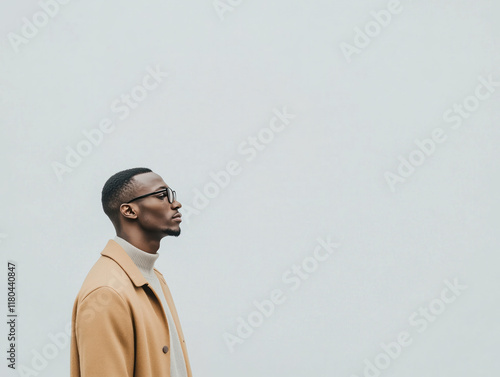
(170, 195)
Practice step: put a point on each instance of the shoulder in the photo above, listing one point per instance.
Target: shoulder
(105, 273)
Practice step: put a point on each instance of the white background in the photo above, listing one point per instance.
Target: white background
(323, 175)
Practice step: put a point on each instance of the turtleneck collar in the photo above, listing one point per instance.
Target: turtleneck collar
(143, 260)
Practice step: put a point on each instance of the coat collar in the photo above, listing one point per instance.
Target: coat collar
(114, 251)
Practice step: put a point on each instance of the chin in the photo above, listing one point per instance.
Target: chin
(172, 232)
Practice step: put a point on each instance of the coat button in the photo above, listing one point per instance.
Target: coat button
(165, 349)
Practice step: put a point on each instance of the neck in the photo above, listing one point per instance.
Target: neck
(140, 240)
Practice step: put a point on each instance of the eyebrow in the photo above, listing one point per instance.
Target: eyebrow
(160, 188)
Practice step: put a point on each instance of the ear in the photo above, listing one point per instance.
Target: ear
(128, 211)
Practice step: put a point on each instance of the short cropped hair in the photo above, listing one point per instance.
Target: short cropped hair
(118, 189)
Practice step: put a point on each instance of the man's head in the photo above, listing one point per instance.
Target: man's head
(152, 215)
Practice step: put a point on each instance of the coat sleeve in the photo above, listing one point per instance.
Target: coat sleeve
(105, 335)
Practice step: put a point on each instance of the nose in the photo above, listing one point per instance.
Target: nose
(176, 204)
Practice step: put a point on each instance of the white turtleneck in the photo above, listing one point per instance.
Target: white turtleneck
(145, 262)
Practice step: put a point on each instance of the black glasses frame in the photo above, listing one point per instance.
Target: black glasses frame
(171, 196)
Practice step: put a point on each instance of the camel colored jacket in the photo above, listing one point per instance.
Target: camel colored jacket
(119, 327)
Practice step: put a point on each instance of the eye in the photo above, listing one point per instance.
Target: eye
(163, 195)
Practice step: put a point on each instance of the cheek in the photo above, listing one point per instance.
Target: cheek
(164, 213)
(153, 217)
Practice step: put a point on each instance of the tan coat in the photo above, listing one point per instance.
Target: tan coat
(119, 327)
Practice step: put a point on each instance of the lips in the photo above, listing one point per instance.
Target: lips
(177, 217)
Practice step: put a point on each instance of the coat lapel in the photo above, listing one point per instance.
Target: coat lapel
(114, 251)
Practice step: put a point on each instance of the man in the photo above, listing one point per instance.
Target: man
(124, 321)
